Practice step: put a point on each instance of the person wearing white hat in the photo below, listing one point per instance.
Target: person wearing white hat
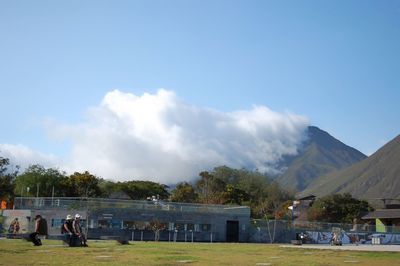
(77, 227)
(68, 230)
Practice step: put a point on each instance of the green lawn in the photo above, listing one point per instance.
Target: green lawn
(19, 252)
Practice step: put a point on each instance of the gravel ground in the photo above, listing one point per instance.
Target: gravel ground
(390, 248)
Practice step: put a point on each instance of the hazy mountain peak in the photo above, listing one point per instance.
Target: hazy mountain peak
(320, 154)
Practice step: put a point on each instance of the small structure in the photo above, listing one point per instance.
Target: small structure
(386, 220)
(301, 207)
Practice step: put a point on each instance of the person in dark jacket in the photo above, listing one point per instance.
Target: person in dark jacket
(78, 231)
(40, 229)
(69, 230)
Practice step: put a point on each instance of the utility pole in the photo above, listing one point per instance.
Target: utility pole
(52, 196)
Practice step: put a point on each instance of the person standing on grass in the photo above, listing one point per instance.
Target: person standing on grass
(40, 229)
(16, 226)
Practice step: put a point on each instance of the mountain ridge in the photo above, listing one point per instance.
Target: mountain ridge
(319, 154)
(377, 176)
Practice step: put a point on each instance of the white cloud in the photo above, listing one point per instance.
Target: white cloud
(23, 156)
(159, 137)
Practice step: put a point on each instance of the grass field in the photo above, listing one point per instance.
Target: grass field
(19, 252)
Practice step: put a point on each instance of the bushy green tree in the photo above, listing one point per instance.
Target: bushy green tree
(225, 185)
(7, 179)
(140, 190)
(211, 190)
(107, 187)
(235, 195)
(338, 208)
(36, 180)
(83, 185)
(184, 192)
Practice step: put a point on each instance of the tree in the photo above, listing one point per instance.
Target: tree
(157, 226)
(337, 208)
(227, 174)
(235, 195)
(39, 181)
(107, 187)
(211, 190)
(282, 211)
(240, 186)
(7, 179)
(184, 192)
(278, 199)
(83, 185)
(140, 190)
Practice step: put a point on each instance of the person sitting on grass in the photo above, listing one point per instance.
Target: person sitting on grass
(68, 230)
(77, 228)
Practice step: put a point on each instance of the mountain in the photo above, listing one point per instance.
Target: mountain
(320, 154)
(378, 176)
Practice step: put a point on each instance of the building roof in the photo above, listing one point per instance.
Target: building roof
(383, 213)
(310, 197)
(392, 206)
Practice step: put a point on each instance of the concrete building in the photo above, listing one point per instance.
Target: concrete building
(142, 220)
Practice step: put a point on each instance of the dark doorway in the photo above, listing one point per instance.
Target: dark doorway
(232, 231)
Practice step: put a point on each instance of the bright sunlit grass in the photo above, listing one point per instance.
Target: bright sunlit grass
(19, 252)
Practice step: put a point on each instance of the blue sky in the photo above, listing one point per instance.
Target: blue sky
(334, 63)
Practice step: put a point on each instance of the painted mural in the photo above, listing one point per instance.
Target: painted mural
(353, 238)
(7, 217)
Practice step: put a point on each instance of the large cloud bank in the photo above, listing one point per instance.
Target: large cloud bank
(160, 137)
(23, 156)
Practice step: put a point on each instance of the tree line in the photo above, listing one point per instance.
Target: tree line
(222, 185)
(225, 185)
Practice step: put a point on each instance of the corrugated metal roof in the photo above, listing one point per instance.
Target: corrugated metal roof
(383, 213)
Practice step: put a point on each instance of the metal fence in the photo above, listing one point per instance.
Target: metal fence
(283, 231)
(361, 228)
(94, 203)
(320, 226)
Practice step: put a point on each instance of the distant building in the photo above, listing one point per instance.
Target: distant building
(301, 206)
(139, 220)
(386, 220)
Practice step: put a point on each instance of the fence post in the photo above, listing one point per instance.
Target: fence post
(141, 235)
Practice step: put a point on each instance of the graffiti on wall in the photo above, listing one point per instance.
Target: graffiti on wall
(8, 216)
(352, 237)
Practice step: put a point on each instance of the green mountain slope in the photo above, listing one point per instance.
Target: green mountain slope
(378, 176)
(321, 154)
